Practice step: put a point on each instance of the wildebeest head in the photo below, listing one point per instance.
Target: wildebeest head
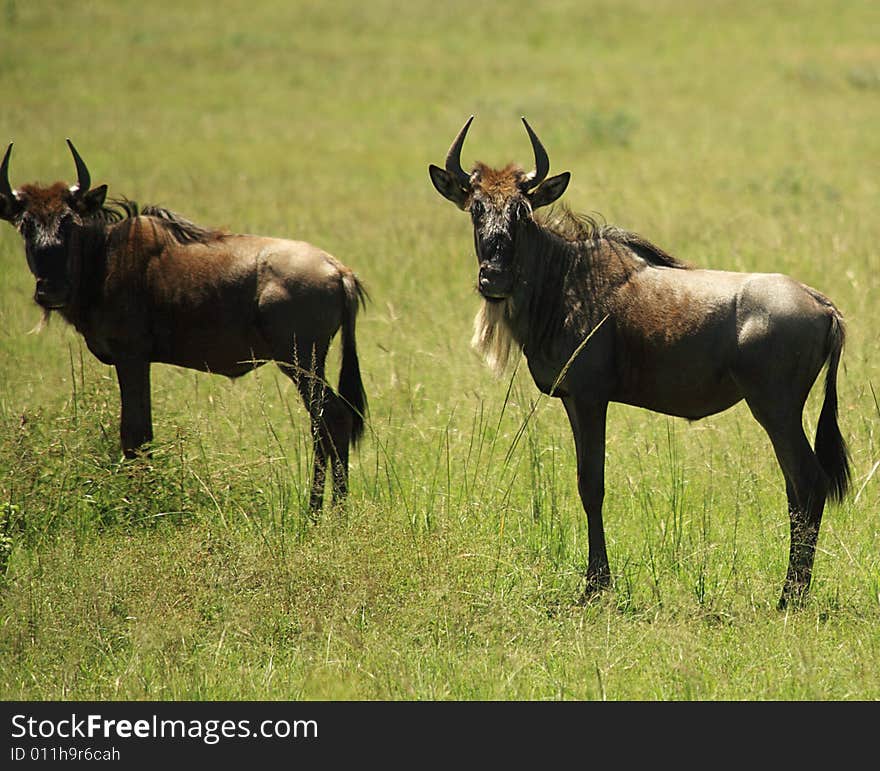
(49, 220)
(499, 201)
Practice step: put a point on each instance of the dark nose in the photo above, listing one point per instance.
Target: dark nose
(493, 282)
(488, 274)
(50, 296)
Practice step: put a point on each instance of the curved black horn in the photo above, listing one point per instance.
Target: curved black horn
(542, 162)
(83, 180)
(5, 187)
(453, 157)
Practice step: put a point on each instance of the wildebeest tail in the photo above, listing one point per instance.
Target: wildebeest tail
(351, 387)
(831, 449)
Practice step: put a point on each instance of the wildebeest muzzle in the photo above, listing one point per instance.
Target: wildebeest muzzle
(51, 295)
(494, 283)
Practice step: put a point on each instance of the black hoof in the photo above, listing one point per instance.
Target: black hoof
(793, 597)
(594, 588)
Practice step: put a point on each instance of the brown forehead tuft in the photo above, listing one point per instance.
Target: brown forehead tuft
(497, 183)
(45, 202)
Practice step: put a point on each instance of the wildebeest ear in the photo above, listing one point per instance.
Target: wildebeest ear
(447, 185)
(92, 201)
(10, 207)
(549, 190)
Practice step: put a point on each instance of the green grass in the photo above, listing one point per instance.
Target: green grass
(737, 136)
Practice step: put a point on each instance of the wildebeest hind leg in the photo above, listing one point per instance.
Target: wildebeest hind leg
(806, 487)
(338, 424)
(330, 425)
(312, 389)
(331, 430)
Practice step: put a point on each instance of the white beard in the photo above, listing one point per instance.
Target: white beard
(492, 337)
(42, 323)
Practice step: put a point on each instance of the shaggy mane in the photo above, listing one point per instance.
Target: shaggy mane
(179, 228)
(579, 228)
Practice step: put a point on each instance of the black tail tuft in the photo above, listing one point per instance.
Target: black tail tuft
(831, 449)
(351, 387)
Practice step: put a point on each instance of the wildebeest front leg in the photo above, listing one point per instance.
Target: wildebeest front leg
(588, 426)
(136, 423)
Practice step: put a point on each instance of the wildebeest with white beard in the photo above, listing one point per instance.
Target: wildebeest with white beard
(146, 285)
(604, 315)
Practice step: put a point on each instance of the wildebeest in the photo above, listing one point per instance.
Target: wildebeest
(146, 285)
(604, 315)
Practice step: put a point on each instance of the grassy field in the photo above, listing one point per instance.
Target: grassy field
(738, 136)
